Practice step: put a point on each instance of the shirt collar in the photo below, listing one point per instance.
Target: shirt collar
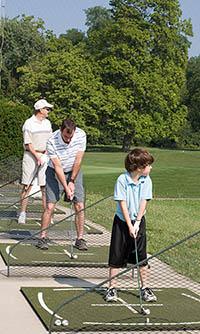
(130, 180)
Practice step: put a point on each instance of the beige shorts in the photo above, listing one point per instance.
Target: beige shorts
(31, 172)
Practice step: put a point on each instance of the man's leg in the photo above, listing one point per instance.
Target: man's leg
(43, 191)
(46, 218)
(79, 223)
(23, 203)
(79, 219)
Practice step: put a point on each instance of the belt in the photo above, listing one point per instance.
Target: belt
(40, 151)
(37, 151)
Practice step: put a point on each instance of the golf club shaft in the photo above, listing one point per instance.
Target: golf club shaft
(138, 273)
(71, 228)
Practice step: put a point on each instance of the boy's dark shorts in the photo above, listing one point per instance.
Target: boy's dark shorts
(122, 247)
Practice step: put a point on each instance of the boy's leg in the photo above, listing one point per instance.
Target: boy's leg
(146, 292)
(112, 273)
(144, 276)
(111, 293)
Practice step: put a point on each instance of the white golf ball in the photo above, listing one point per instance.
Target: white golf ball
(75, 256)
(65, 322)
(147, 311)
(58, 322)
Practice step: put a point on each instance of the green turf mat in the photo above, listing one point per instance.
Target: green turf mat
(32, 207)
(175, 309)
(55, 256)
(59, 231)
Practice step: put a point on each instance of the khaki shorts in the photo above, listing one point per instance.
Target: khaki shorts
(54, 188)
(29, 169)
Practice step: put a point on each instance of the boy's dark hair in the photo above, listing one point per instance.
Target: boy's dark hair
(138, 158)
(69, 125)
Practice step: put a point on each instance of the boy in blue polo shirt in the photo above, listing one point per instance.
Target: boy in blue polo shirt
(133, 190)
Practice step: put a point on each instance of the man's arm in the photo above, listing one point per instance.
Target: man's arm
(29, 147)
(77, 165)
(61, 176)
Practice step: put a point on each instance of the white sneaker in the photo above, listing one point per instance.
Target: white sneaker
(22, 218)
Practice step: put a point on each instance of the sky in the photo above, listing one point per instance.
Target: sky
(61, 15)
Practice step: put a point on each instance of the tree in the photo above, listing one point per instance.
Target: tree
(142, 52)
(24, 39)
(192, 97)
(70, 82)
(73, 35)
(97, 17)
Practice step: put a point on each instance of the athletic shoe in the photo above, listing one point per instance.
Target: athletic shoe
(22, 218)
(81, 244)
(148, 295)
(111, 295)
(42, 244)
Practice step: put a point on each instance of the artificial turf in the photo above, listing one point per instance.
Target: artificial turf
(58, 231)
(86, 309)
(25, 254)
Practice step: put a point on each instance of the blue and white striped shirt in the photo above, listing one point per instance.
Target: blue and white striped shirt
(66, 153)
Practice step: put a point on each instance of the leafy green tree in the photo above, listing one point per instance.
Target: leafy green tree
(142, 52)
(70, 82)
(192, 97)
(97, 18)
(24, 38)
(73, 35)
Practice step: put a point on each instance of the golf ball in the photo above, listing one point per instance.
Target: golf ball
(75, 256)
(65, 322)
(147, 311)
(58, 322)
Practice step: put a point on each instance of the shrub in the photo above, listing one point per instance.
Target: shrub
(12, 117)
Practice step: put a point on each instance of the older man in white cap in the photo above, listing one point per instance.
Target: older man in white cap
(36, 131)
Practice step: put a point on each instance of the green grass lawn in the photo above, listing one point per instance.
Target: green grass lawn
(175, 175)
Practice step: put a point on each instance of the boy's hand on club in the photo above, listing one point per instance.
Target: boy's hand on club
(132, 231)
(136, 228)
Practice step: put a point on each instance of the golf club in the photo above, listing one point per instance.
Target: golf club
(71, 253)
(143, 311)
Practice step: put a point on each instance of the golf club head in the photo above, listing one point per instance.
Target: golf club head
(144, 311)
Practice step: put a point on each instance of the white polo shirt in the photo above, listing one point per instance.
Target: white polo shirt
(36, 132)
(66, 153)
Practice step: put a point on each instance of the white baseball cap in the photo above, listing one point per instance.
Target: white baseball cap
(40, 104)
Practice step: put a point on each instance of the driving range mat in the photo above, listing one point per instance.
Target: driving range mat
(26, 254)
(86, 310)
(59, 231)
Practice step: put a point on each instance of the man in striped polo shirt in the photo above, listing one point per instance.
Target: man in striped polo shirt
(66, 149)
(36, 131)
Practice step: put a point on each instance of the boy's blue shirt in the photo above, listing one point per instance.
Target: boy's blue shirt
(127, 190)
